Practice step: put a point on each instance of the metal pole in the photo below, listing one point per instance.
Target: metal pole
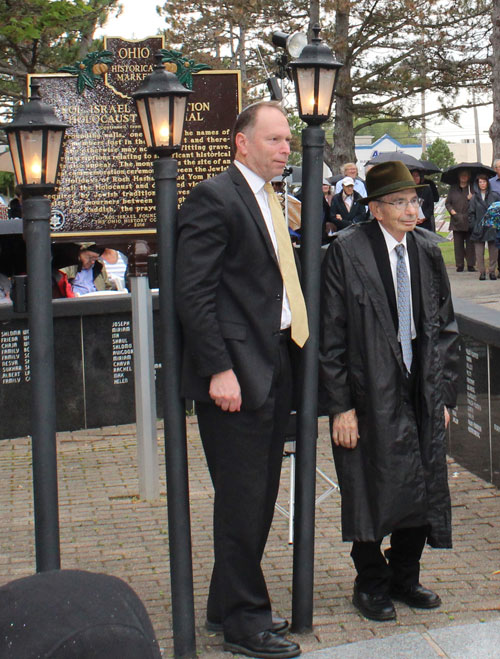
(36, 213)
(144, 373)
(313, 140)
(179, 530)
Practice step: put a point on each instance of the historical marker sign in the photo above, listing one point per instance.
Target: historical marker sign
(106, 183)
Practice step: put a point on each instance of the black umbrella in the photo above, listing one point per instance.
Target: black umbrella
(450, 175)
(410, 161)
(430, 168)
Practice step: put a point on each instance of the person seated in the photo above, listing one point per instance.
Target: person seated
(4, 289)
(116, 264)
(15, 205)
(89, 275)
(346, 208)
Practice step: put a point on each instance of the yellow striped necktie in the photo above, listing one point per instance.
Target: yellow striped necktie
(300, 327)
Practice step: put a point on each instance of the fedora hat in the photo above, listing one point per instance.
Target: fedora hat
(388, 177)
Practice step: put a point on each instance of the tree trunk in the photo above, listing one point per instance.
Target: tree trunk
(495, 78)
(343, 131)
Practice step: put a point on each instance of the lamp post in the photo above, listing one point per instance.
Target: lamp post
(35, 138)
(314, 75)
(161, 105)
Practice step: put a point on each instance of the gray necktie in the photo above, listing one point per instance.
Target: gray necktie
(404, 311)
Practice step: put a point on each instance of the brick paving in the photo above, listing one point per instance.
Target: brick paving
(106, 528)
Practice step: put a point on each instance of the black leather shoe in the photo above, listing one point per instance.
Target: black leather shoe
(493, 276)
(460, 268)
(416, 596)
(267, 645)
(471, 268)
(279, 625)
(375, 607)
(482, 277)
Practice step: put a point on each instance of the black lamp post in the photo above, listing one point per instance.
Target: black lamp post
(161, 105)
(314, 74)
(35, 138)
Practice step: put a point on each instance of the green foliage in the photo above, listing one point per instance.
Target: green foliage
(7, 183)
(440, 154)
(41, 36)
(184, 66)
(87, 70)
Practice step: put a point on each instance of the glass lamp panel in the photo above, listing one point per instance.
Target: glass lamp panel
(179, 114)
(142, 111)
(54, 141)
(31, 150)
(325, 94)
(160, 121)
(15, 158)
(305, 83)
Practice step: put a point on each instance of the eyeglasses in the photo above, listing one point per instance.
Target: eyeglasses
(402, 204)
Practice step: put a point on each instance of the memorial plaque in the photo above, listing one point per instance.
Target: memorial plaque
(495, 413)
(106, 182)
(469, 441)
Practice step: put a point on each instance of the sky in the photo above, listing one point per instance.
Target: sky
(139, 19)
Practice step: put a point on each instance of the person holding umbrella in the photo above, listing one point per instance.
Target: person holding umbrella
(457, 205)
(482, 199)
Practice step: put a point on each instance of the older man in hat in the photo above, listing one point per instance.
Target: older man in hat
(388, 362)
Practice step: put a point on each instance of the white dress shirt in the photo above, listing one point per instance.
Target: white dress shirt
(256, 184)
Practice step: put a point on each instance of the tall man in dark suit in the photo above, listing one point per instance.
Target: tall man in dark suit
(388, 364)
(238, 319)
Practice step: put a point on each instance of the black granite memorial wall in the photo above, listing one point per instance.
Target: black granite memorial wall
(93, 362)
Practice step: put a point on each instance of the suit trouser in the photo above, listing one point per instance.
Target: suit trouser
(399, 566)
(244, 451)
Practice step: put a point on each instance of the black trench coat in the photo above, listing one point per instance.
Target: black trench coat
(397, 476)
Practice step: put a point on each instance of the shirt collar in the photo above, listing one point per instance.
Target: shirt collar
(390, 241)
(255, 181)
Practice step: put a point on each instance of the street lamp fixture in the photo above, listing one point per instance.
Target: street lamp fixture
(161, 102)
(161, 105)
(35, 138)
(314, 75)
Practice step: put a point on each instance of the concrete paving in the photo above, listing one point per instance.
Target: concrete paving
(105, 527)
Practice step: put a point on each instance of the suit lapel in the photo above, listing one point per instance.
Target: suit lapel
(248, 197)
(415, 278)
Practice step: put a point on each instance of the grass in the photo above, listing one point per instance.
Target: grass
(447, 249)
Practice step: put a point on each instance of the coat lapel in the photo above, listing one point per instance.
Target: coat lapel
(248, 197)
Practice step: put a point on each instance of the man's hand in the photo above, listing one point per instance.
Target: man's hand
(345, 429)
(446, 417)
(225, 391)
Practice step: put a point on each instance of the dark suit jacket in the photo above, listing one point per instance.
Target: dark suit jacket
(228, 289)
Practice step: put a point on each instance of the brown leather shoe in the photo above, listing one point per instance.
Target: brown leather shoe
(416, 596)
